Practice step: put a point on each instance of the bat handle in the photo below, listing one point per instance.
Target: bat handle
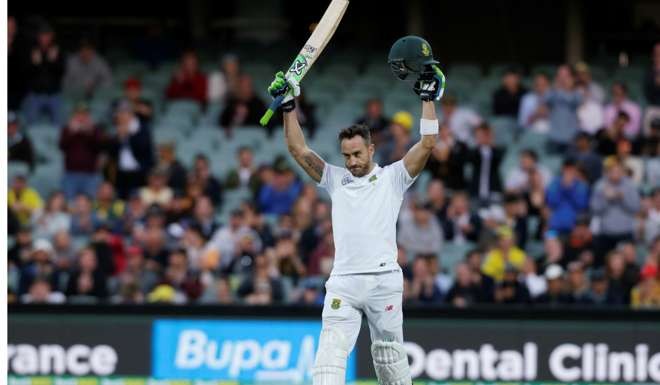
(274, 105)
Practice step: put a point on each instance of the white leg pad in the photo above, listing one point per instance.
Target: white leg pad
(391, 363)
(331, 355)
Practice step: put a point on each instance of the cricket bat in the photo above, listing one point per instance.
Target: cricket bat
(311, 50)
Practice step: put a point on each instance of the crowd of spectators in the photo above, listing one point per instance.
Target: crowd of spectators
(132, 224)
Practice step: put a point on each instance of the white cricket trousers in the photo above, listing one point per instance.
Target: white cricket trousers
(377, 295)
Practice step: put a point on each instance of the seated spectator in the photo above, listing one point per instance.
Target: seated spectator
(533, 113)
(375, 119)
(226, 239)
(224, 82)
(553, 251)
(465, 292)
(621, 102)
(563, 101)
(515, 216)
(107, 208)
(462, 121)
(87, 280)
(23, 200)
(81, 142)
(536, 284)
(133, 95)
(83, 218)
(651, 221)
(607, 138)
(53, 218)
(461, 224)
(188, 82)
(506, 99)
(631, 270)
(646, 294)
(504, 253)
(155, 249)
(448, 159)
(64, 252)
(219, 292)
(41, 292)
(132, 150)
(204, 217)
(287, 259)
(180, 277)
(584, 81)
(20, 253)
(278, 196)
(474, 260)
(619, 287)
(16, 66)
(566, 197)
(424, 288)
(633, 165)
(39, 265)
(260, 288)
(244, 108)
(509, 290)
(556, 293)
(20, 147)
(437, 199)
(586, 158)
(176, 172)
(614, 204)
(420, 233)
(44, 73)
(86, 72)
(245, 175)
(209, 184)
(580, 239)
(591, 117)
(255, 220)
(156, 191)
(137, 274)
(578, 283)
(652, 90)
(486, 183)
(519, 178)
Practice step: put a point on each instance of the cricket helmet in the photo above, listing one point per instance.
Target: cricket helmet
(410, 54)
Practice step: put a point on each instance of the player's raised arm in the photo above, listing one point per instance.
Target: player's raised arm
(295, 140)
(429, 86)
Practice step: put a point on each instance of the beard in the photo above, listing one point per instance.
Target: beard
(359, 171)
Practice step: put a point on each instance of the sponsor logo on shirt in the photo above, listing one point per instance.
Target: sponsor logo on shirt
(346, 180)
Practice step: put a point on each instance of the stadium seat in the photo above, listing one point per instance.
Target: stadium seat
(504, 130)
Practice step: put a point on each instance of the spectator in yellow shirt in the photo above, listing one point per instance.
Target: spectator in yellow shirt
(647, 292)
(23, 200)
(504, 253)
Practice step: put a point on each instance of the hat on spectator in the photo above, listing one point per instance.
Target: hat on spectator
(43, 245)
(162, 293)
(504, 232)
(582, 67)
(553, 271)
(403, 119)
(12, 117)
(649, 271)
(132, 83)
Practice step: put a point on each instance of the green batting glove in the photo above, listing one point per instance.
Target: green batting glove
(278, 86)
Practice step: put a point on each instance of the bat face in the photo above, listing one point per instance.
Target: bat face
(318, 40)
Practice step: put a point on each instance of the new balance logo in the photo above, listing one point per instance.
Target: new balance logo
(389, 307)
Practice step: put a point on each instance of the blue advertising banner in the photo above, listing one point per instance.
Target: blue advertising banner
(281, 351)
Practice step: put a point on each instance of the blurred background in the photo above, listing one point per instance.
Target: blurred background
(157, 233)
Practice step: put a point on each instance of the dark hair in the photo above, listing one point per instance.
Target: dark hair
(355, 130)
(531, 153)
(623, 86)
(483, 126)
(623, 115)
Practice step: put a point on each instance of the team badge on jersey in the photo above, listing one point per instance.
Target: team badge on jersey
(373, 178)
(336, 302)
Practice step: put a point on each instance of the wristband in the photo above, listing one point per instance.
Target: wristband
(428, 126)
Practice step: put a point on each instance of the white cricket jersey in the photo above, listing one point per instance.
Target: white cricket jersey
(364, 215)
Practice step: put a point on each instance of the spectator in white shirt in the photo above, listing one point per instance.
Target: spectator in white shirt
(421, 233)
(620, 102)
(533, 114)
(461, 120)
(518, 180)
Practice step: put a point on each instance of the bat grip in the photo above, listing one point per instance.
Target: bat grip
(274, 105)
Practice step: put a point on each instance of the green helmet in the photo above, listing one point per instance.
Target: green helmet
(410, 54)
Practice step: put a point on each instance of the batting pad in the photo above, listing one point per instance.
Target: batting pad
(390, 363)
(330, 365)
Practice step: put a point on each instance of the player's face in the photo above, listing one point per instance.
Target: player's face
(357, 155)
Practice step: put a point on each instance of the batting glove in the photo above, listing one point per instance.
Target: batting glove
(431, 84)
(283, 86)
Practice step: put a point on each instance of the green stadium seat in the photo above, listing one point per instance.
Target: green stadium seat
(504, 130)
(452, 253)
